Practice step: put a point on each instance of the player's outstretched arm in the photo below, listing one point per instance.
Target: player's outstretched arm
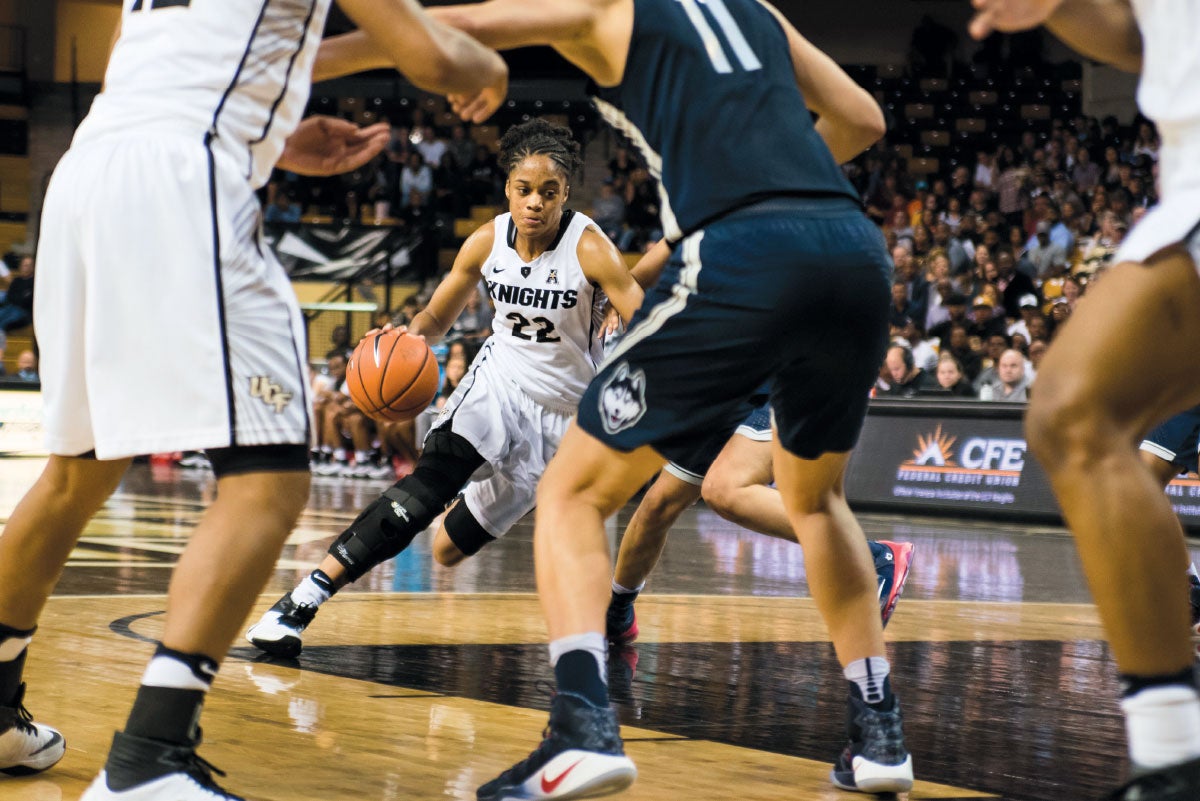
(432, 55)
(450, 298)
(850, 119)
(505, 24)
(1104, 30)
(602, 264)
(331, 146)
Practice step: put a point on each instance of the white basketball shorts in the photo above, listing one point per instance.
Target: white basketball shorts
(1174, 221)
(164, 324)
(515, 434)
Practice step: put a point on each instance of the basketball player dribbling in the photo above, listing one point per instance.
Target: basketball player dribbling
(549, 271)
(776, 274)
(150, 245)
(1126, 362)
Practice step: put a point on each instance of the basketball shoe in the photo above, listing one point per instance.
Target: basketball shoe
(581, 756)
(1173, 783)
(620, 621)
(278, 631)
(26, 747)
(173, 772)
(875, 759)
(892, 561)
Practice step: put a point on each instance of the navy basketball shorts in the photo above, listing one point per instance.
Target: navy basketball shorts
(694, 465)
(791, 291)
(1176, 440)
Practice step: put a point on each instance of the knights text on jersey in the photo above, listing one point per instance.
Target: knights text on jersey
(547, 314)
(240, 69)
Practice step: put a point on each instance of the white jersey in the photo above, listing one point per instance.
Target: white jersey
(238, 70)
(548, 314)
(1169, 88)
(1169, 94)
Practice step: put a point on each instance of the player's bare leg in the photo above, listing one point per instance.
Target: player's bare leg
(736, 488)
(37, 540)
(584, 484)
(841, 578)
(1126, 361)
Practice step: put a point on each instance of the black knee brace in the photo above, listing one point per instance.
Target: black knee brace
(391, 521)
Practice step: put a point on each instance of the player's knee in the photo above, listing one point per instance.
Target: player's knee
(719, 493)
(445, 552)
(1064, 426)
(272, 479)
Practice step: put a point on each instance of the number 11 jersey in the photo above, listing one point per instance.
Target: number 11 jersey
(548, 314)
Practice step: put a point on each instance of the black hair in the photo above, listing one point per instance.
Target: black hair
(540, 138)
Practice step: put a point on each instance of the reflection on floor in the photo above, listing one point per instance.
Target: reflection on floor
(1007, 687)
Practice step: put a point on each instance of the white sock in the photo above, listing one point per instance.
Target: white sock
(1192, 570)
(1163, 725)
(310, 592)
(361, 457)
(339, 455)
(593, 642)
(869, 674)
(166, 671)
(620, 590)
(13, 647)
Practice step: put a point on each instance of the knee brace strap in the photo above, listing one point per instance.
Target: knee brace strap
(386, 527)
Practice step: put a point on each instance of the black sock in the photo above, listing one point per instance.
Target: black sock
(167, 714)
(1132, 685)
(11, 671)
(578, 672)
(171, 713)
(624, 599)
(885, 704)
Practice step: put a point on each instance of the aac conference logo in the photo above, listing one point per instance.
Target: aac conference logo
(978, 461)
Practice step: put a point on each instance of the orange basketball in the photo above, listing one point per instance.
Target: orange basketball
(392, 376)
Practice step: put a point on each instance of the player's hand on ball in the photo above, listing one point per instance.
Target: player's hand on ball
(1009, 15)
(329, 146)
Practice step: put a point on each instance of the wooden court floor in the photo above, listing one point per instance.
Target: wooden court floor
(423, 682)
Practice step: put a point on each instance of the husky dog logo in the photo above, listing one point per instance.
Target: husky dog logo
(623, 399)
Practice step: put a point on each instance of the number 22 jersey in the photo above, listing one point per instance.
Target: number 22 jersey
(548, 314)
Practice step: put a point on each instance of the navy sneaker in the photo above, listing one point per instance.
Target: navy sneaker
(875, 759)
(620, 621)
(1174, 783)
(892, 561)
(581, 756)
(278, 631)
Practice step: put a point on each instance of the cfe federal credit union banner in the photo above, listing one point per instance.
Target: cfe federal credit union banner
(967, 458)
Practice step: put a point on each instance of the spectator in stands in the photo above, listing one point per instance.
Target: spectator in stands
(1086, 173)
(641, 208)
(924, 352)
(339, 341)
(284, 210)
(984, 322)
(1049, 258)
(27, 367)
(955, 305)
(985, 170)
(993, 349)
(608, 211)
(950, 378)
(16, 310)
(1028, 307)
(904, 378)
(961, 346)
(416, 176)
(483, 177)
(1060, 313)
(1037, 350)
(620, 167)
(475, 321)
(430, 147)
(1146, 143)
(1012, 382)
(1012, 283)
(461, 146)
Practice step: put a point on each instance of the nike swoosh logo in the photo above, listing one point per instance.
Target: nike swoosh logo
(55, 739)
(498, 270)
(549, 785)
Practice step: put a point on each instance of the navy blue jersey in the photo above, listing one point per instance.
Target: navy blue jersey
(709, 96)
